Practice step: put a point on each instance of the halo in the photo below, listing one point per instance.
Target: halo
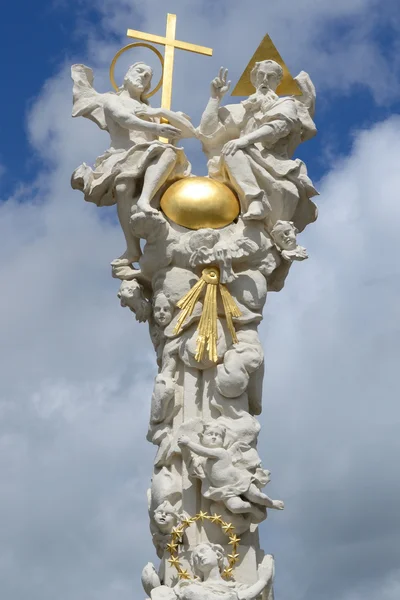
(177, 537)
(137, 45)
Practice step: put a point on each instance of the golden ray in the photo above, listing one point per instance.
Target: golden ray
(267, 51)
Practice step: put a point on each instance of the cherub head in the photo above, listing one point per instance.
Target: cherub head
(162, 309)
(266, 75)
(204, 238)
(166, 517)
(213, 435)
(129, 291)
(207, 556)
(284, 235)
(137, 80)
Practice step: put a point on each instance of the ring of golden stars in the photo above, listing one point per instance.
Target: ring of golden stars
(177, 540)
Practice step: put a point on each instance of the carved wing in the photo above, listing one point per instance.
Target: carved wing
(150, 578)
(236, 451)
(306, 105)
(86, 101)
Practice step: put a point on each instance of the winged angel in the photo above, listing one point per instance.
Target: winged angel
(137, 165)
(224, 478)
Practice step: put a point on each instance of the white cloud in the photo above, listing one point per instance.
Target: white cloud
(75, 371)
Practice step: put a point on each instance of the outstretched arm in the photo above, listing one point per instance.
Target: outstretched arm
(198, 449)
(177, 119)
(128, 120)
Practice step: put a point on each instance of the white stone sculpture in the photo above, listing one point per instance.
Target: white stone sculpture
(224, 478)
(284, 235)
(202, 290)
(208, 561)
(250, 146)
(136, 166)
(164, 518)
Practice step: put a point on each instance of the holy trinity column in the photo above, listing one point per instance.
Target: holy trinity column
(201, 255)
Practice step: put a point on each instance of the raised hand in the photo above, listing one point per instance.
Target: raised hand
(220, 85)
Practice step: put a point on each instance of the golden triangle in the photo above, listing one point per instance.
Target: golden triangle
(267, 51)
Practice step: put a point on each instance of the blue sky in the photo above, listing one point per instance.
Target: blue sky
(76, 371)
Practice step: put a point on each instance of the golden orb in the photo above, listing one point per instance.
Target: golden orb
(200, 202)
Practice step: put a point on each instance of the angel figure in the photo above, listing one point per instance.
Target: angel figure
(163, 309)
(137, 165)
(165, 518)
(250, 146)
(284, 235)
(131, 294)
(223, 480)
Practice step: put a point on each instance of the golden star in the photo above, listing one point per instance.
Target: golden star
(202, 515)
(172, 547)
(233, 557)
(174, 561)
(216, 518)
(183, 574)
(227, 572)
(177, 531)
(234, 539)
(187, 522)
(228, 528)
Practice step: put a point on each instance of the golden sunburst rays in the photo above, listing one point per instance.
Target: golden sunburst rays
(177, 540)
(208, 324)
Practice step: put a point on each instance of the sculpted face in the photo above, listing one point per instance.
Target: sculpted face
(205, 558)
(128, 292)
(162, 310)
(267, 76)
(285, 237)
(138, 78)
(164, 519)
(213, 437)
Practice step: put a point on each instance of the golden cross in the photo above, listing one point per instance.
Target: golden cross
(170, 44)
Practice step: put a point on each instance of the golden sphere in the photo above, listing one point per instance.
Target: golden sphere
(200, 202)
